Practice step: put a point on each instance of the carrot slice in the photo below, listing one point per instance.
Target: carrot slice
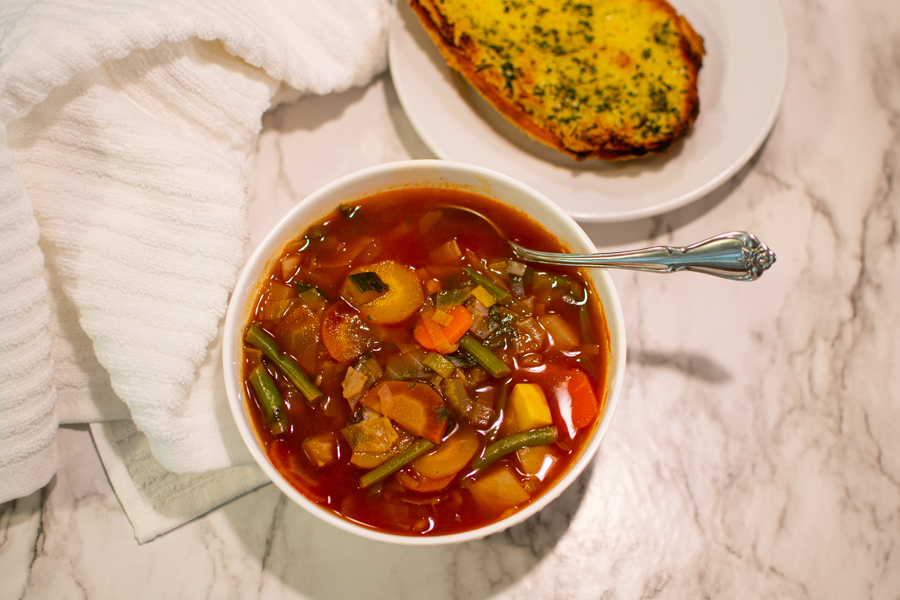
(399, 301)
(416, 483)
(344, 333)
(443, 338)
(414, 406)
(450, 457)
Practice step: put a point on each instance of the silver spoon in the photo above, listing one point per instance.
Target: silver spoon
(736, 255)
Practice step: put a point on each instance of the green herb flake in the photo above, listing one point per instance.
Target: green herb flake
(368, 281)
(442, 415)
(348, 210)
(302, 286)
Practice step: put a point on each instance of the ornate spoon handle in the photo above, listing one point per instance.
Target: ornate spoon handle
(735, 255)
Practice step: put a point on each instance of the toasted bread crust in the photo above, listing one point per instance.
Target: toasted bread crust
(594, 90)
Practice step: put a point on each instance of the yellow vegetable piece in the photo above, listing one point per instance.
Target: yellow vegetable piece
(537, 460)
(403, 297)
(485, 297)
(321, 449)
(529, 405)
(499, 490)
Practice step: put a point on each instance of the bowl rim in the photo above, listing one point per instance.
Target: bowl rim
(327, 198)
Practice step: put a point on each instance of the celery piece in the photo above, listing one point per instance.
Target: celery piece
(508, 445)
(484, 357)
(461, 360)
(454, 391)
(438, 364)
(451, 298)
(403, 367)
(500, 406)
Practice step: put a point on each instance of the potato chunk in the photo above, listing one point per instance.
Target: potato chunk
(499, 490)
(529, 405)
(321, 449)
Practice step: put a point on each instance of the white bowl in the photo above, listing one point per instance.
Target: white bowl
(416, 173)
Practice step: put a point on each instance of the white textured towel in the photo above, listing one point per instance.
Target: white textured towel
(124, 129)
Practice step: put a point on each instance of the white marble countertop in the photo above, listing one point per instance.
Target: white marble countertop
(754, 453)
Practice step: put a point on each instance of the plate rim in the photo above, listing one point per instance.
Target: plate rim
(777, 84)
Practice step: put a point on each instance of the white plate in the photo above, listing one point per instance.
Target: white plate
(741, 85)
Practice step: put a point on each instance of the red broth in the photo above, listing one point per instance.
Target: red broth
(382, 394)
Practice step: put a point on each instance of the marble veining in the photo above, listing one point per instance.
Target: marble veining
(754, 453)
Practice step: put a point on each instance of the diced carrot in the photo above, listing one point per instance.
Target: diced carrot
(584, 400)
(435, 332)
(414, 406)
(443, 338)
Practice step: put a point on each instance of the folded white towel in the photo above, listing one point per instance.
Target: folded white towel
(124, 129)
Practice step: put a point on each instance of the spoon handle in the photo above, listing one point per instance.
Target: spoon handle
(735, 255)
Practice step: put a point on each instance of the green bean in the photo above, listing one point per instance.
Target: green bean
(274, 413)
(501, 295)
(500, 448)
(258, 338)
(419, 447)
(484, 357)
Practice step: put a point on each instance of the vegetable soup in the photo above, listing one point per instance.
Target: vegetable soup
(404, 371)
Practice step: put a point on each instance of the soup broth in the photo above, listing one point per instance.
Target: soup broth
(404, 371)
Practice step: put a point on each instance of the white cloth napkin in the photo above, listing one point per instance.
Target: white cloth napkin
(124, 130)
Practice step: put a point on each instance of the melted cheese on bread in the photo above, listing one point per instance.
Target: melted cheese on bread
(610, 79)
